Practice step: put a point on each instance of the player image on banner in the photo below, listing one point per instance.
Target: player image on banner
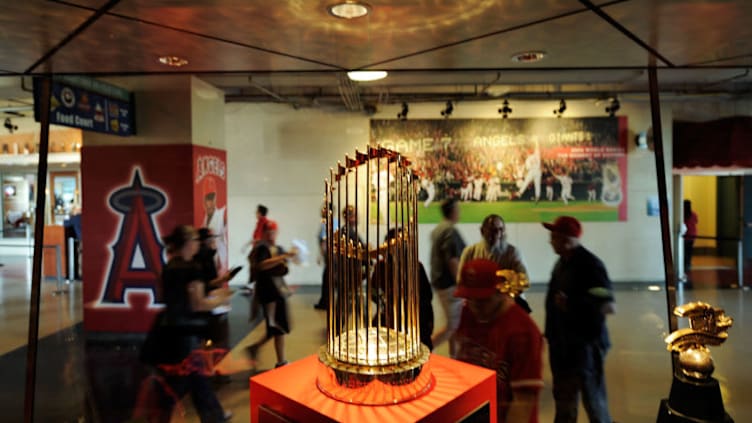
(210, 199)
(525, 169)
(215, 218)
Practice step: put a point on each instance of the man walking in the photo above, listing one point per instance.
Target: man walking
(446, 248)
(494, 246)
(578, 299)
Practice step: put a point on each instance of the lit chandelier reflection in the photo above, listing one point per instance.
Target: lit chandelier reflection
(373, 353)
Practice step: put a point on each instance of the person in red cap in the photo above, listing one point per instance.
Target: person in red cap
(496, 333)
(578, 299)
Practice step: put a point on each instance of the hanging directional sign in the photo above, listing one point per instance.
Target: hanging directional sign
(89, 104)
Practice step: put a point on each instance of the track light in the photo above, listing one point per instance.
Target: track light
(562, 108)
(613, 107)
(505, 110)
(10, 126)
(448, 109)
(403, 114)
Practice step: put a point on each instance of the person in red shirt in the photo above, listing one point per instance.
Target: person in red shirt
(498, 334)
(258, 232)
(690, 221)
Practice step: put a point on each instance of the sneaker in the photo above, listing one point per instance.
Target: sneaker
(319, 306)
(227, 416)
(280, 364)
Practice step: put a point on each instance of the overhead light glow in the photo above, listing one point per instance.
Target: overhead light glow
(349, 10)
(365, 76)
(654, 288)
(528, 56)
(174, 61)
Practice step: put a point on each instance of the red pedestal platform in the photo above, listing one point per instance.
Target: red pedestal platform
(289, 394)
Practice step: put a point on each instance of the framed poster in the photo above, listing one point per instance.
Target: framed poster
(526, 170)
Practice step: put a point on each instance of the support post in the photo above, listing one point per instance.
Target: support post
(660, 168)
(36, 273)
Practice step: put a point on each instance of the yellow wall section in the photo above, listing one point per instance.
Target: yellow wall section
(702, 191)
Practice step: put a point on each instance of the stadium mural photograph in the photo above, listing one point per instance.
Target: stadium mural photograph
(526, 170)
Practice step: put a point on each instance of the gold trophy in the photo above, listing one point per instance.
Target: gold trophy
(695, 394)
(373, 353)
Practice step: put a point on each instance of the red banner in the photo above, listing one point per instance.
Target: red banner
(132, 196)
(210, 197)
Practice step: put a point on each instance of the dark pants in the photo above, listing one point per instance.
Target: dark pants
(689, 249)
(578, 370)
(219, 330)
(204, 400)
(324, 298)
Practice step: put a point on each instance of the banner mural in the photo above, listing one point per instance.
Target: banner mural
(210, 198)
(133, 196)
(526, 170)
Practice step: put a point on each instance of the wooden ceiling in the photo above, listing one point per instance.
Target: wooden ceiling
(430, 42)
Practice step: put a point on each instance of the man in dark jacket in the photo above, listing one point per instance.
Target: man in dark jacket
(578, 299)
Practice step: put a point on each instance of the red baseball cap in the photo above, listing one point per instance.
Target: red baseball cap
(478, 278)
(565, 225)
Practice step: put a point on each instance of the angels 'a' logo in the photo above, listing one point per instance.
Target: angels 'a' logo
(137, 254)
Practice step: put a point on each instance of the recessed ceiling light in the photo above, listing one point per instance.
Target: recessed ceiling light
(174, 61)
(365, 76)
(528, 56)
(349, 9)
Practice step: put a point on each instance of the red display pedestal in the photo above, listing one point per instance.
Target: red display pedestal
(289, 394)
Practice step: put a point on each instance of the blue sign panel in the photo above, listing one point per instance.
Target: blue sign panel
(90, 105)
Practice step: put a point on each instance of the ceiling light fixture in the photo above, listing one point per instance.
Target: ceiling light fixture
(562, 108)
(528, 56)
(448, 109)
(366, 76)
(349, 10)
(505, 110)
(174, 61)
(402, 115)
(613, 107)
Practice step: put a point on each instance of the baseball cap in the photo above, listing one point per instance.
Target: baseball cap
(478, 278)
(565, 225)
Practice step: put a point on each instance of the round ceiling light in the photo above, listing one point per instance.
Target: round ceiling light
(366, 76)
(528, 56)
(349, 9)
(173, 61)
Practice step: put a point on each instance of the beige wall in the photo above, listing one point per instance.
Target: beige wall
(279, 157)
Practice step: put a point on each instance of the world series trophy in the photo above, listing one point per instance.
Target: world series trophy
(695, 395)
(373, 353)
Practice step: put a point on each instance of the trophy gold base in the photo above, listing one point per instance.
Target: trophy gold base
(374, 385)
(693, 401)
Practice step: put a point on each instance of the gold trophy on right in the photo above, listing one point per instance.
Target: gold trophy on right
(695, 395)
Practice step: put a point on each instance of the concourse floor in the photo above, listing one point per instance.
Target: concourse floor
(87, 381)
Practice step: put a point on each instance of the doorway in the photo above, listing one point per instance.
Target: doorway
(715, 259)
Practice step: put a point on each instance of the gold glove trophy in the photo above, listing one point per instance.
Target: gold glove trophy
(695, 395)
(373, 353)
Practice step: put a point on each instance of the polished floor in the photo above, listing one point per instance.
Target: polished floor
(80, 381)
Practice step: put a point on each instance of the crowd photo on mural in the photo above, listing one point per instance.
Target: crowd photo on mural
(527, 168)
